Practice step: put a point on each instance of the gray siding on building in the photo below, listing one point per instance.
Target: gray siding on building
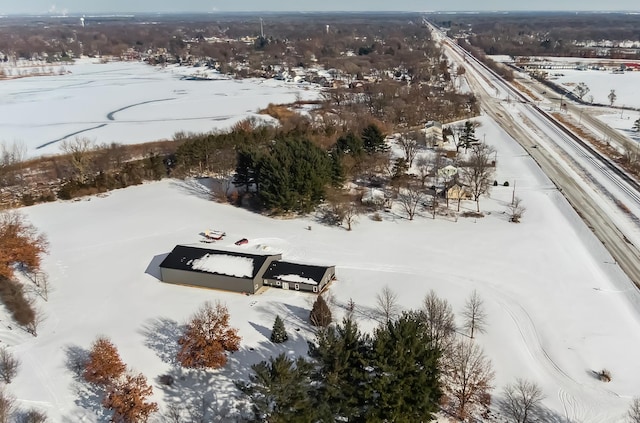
(210, 280)
(305, 287)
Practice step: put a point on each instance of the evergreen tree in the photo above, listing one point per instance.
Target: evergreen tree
(636, 125)
(468, 135)
(351, 144)
(406, 380)
(293, 175)
(279, 390)
(246, 168)
(278, 333)
(373, 139)
(320, 314)
(341, 354)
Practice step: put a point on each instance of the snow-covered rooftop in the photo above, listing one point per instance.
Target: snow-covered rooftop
(223, 264)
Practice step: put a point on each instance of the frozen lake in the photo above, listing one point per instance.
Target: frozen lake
(128, 103)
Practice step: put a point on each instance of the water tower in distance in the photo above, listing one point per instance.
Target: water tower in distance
(82, 21)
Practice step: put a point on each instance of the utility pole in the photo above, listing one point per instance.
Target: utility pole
(513, 194)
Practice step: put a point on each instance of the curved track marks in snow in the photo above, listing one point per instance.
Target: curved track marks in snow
(70, 135)
(111, 114)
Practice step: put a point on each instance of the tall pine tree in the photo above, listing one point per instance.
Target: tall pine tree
(279, 390)
(341, 354)
(278, 333)
(373, 139)
(320, 314)
(406, 380)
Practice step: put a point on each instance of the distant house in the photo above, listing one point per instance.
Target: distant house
(214, 268)
(297, 276)
(238, 271)
(458, 192)
(433, 133)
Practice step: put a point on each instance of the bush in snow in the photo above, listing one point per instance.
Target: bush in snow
(278, 334)
(604, 375)
(104, 364)
(207, 338)
(320, 314)
(127, 397)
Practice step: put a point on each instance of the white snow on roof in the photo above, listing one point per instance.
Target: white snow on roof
(296, 279)
(224, 264)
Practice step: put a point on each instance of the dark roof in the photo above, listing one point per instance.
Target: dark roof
(282, 268)
(182, 257)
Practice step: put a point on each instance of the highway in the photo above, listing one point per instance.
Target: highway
(594, 187)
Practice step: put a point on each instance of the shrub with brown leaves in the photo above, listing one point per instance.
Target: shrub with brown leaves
(104, 364)
(207, 338)
(127, 397)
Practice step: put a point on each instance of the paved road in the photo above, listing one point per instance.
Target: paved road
(626, 254)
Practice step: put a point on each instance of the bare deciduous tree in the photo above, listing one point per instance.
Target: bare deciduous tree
(478, 172)
(581, 90)
(475, 317)
(516, 210)
(173, 414)
(38, 318)
(634, 411)
(7, 406)
(521, 399)
(423, 164)
(387, 305)
(410, 197)
(612, 97)
(79, 150)
(467, 378)
(8, 365)
(439, 320)
(409, 145)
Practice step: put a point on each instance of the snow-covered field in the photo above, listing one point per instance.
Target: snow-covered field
(600, 83)
(559, 308)
(129, 102)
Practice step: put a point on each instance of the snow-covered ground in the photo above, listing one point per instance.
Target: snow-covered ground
(600, 83)
(129, 102)
(623, 121)
(558, 307)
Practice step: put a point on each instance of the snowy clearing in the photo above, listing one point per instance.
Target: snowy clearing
(600, 83)
(559, 308)
(129, 103)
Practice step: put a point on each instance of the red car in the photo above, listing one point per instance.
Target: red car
(242, 241)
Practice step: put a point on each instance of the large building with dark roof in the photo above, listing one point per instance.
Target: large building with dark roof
(237, 271)
(214, 268)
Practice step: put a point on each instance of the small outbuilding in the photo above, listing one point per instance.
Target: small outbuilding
(215, 268)
(298, 277)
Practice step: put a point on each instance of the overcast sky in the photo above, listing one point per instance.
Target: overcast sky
(138, 6)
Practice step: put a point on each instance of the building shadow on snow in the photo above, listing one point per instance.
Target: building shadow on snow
(153, 268)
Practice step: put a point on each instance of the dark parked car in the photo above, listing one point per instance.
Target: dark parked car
(242, 241)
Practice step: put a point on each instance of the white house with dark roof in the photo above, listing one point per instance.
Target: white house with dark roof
(297, 276)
